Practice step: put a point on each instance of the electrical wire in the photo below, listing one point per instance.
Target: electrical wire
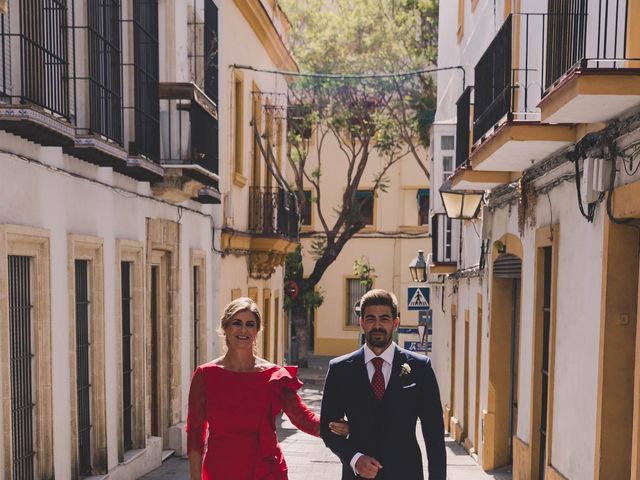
(344, 76)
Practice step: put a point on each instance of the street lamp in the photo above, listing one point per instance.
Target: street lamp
(461, 205)
(418, 268)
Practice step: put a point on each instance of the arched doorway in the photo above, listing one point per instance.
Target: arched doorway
(504, 341)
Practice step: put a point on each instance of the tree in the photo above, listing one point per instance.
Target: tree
(357, 108)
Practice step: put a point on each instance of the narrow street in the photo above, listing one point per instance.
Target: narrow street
(309, 459)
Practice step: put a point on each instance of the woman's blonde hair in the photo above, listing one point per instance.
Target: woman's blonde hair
(242, 304)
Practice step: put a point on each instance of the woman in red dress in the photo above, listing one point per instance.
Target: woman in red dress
(235, 399)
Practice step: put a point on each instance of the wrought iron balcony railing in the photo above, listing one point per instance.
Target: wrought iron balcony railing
(273, 211)
(533, 51)
(463, 127)
(39, 38)
(189, 130)
(586, 34)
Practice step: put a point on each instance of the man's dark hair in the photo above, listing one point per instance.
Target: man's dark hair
(379, 297)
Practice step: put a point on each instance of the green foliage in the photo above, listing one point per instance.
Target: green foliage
(363, 36)
(364, 271)
(293, 271)
(318, 247)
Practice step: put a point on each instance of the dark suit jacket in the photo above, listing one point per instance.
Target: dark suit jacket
(385, 429)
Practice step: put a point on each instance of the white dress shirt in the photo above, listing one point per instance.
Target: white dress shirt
(387, 356)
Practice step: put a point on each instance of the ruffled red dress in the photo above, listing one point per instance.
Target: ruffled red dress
(238, 410)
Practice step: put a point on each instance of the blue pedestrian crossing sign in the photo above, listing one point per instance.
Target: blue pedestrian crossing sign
(418, 298)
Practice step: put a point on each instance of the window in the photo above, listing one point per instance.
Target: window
(447, 142)
(105, 76)
(21, 354)
(129, 329)
(44, 52)
(146, 79)
(198, 307)
(364, 204)
(448, 240)
(238, 123)
(256, 122)
(447, 167)
(87, 344)
(25, 343)
(305, 213)
(355, 291)
(126, 270)
(196, 314)
(423, 206)
(83, 366)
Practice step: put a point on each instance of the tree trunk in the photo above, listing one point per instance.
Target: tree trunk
(302, 335)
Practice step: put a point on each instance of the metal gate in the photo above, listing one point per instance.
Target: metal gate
(20, 360)
(83, 366)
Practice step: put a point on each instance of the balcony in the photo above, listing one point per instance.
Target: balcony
(507, 133)
(189, 144)
(98, 78)
(464, 177)
(274, 226)
(592, 71)
(34, 76)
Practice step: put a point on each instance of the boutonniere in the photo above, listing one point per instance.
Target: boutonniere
(405, 369)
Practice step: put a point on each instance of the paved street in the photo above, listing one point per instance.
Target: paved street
(309, 459)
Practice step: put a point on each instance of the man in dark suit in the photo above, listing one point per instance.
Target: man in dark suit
(382, 389)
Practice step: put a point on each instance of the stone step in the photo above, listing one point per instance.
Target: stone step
(319, 361)
(167, 453)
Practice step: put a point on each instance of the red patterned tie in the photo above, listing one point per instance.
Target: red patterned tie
(377, 381)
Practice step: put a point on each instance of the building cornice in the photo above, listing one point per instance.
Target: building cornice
(260, 22)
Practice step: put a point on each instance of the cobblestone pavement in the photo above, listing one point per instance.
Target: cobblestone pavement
(309, 459)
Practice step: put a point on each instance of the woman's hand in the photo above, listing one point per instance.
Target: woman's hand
(339, 427)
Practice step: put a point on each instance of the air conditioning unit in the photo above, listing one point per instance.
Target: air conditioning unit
(596, 177)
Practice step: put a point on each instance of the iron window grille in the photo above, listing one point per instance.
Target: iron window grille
(146, 59)
(83, 366)
(196, 315)
(423, 206)
(42, 46)
(104, 80)
(273, 211)
(355, 290)
(21, 359)
(127, 355)
(5, 53)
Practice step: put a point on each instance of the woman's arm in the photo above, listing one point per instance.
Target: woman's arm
(307, 421)
(299, 414)
(195, 465)
(196, 424)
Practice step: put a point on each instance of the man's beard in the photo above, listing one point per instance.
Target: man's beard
(378, 341)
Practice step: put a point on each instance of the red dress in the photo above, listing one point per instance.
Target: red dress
(238, 409)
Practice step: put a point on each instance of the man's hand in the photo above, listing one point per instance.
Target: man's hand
(367, 467)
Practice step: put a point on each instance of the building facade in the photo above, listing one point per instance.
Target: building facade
(535, 343)
(116, 141)
(396, 227)
(260, 218)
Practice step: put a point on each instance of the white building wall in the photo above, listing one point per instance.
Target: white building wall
(110, 207)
